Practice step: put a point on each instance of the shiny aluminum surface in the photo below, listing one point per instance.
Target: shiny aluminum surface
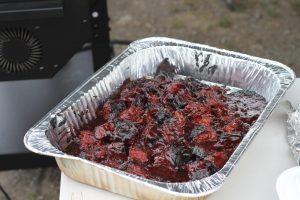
(293, 129)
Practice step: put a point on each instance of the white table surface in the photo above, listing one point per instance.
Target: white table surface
(253, 177)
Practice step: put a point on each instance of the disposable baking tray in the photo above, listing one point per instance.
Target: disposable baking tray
(268, 78)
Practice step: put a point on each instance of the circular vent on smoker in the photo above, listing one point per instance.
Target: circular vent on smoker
(20, 50)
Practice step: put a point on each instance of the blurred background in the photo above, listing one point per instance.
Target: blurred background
(263, 28)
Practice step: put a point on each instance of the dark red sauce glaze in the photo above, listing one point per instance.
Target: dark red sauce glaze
(169, 130)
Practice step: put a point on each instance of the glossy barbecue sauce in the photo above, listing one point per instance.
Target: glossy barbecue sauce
(169, 130)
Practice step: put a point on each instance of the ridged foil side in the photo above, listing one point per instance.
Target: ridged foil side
(293, 127)
(267, 78)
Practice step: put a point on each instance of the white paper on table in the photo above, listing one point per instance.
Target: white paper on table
(73, 190)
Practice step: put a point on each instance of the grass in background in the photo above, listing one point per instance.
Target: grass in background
(296, 5)
(242, 5)
(225, 22)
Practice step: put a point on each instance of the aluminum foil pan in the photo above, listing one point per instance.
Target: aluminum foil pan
(293, 129)
(265, 77)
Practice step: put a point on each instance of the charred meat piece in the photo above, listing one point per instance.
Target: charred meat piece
(112, 108)
(138, 154)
